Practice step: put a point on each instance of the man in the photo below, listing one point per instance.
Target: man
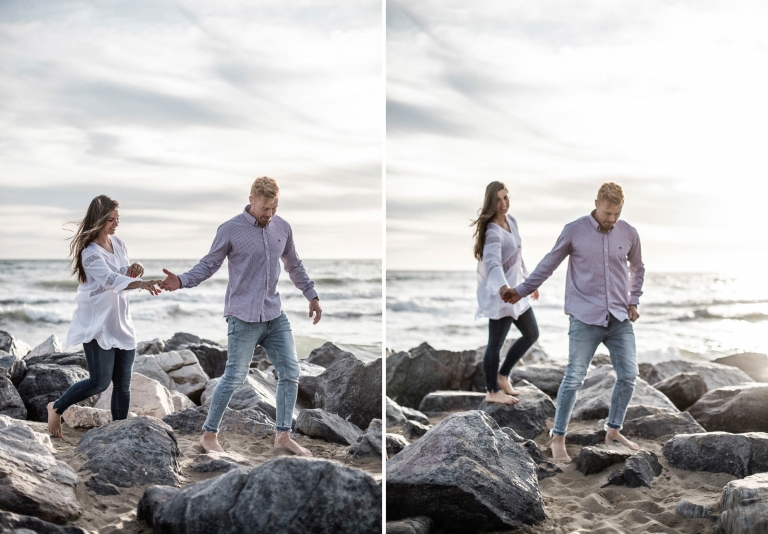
(252, 241)
(603, 288)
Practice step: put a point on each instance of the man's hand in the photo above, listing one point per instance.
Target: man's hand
(314, 309)
(171, 282)
(633, 313)
(535, 295)
(508, 294)
(136, 270)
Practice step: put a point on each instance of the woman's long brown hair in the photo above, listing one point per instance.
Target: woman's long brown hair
(87, 230)
(485, 215)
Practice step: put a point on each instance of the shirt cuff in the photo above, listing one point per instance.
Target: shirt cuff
(310, 294)
(634, 301)
(522, 290)
(182, 281)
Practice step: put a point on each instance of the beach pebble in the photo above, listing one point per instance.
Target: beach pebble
(733, 408)
(148, 397)
(249, 422)
(86, 417)
(547, 377)
(44, 383)
(368, 445)
(219, 462)
(639, 470)
(714, 374)
(744, 505)
(415, 415)
(23, 524)
(395, 415)
(133, 452)
(413, 430)
(412, 525)
(660, 425)
(468, 475)
(52, 345)
(683, 389)
(32, 481)
(11, 403)
(319, 424)
(395, 443)
(13, 346)
(752, 363)
(333, 498)
(740, 455)
(529, 416)
(592, 460)
(443, 401)
(328, 354)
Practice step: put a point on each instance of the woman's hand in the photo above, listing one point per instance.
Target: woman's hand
(136, 270)
(153, 286)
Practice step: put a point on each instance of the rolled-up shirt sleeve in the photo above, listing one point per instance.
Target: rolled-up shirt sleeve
(492, 260)
(636, 272)
(210, 263)
(96, 269)
(295, 268)
(547, 265)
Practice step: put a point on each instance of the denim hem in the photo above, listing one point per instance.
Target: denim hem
(554, 432)
(208, 429)
(282, 429)
(606, 426)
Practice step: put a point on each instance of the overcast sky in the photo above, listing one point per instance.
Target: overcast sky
(175, 107)
(665, 97)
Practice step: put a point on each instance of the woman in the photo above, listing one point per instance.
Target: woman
(102, 320)
(500, 267)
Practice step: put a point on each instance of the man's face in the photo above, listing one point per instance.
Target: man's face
(607, 214)
(263, 209)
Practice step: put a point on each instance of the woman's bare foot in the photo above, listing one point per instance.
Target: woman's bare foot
(54, 422)
(500, 397)
(506, 386)
(209, 442)
(283, 441)
(613, 434)
(559, 453)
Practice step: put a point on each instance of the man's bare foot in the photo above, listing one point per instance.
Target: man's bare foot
(559, 454)
(506, 386)
(210, 443)
(283, 441)
(613, 434)
(54, 422)
(500, 397)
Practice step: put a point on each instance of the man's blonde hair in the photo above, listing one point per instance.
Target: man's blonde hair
(611, 192)
(265, 187)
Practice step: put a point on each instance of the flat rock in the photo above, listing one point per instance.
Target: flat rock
(45, 383)
(752, 363)
(351, 389)
(714, 374)
(740, 455)
(545, 376)
(733, 408)
(528, 417)
(415, 415)
(219, 462)
(148, 397)
(155, 346)
(369, 443)
(414, 430)
(412, 375)
(86, 417)
(51, 345)
(683, 389)
(23, 524)
(133, 452)
(395, 415)
(412, 525)
(466, 474)
(32, 481)
(592, 460)
(11, 403)
(594, 399)
(190, 421)
(438, 402)
(661, 425)
(328, 354)
(13, 346)
(395, 443)
(744, 505)
(333, 498)
(319, 424)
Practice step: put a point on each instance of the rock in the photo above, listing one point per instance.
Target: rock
(190, 421)
(528, 417)
(51, 345)
(439, 402)
(45, 383)
(219, 462)
(13, 346)
(592, 460)
(332, 497)
(260, 359)
(85, 417)
(176, 370)
(22, 524)
(395, 416)
(32, 481)
(148, 397)
(641, 410)
(58, 358)
(212, 358)
(594, 399)
(152, 499)
(585, 438)
(715, 375)
(129, 453)
(328, 354)
(645, 371)
(412, 375)
(255, 394)
(414, 430)
(352, 390)
(11, 403)
(733, 408)
(740, 455)
(156, 346)
(663, 424)
(330, 427)
(15, 366)
(415, 415)
(683, 389)
(639, 470)
(468, 475)
(601, 359)
(181, 401)
(395, 443)
(744, 505)
(181, 340)
(412, 525)
(547, 377)
(690, 510)
(545, 468)
(752, 363)
(368, 444)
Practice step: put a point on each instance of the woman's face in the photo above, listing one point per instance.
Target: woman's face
(112, 223)
(502, 202)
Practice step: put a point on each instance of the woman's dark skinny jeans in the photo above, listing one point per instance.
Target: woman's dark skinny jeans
(105, 366)
(497, 332)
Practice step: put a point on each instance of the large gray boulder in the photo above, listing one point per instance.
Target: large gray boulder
(546, 376)
(412, 375)
(328, 354)
(58, 358)
(331, 497)
(528, 417)
(369, 443)
(248, 422)
(714, 374)
(32, 481)
(752, 363)
(441, 401)
(744, 505)
(733, 408)
(154, 346)
(544, 467)
(181, 340)
(13, 346)
(412, 525)
(639, 470)
(256, 393)
(52, 345)
(740, 455)
(212, 358)
(45, 383)
(661, 425)
(594, 398)
(128, 453)
(24, 524)
(10, 400)
(320, 424)
(177, 370)
(467, 475)
(14, 365)
(683, 389)
(395, 415)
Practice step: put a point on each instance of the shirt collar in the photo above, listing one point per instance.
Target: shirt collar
(595, 224)
(248, 217)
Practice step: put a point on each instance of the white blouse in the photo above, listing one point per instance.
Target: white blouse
(502, 265)
(103, 309)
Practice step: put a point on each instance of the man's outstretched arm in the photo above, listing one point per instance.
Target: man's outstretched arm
(205, 268)
(545, 268)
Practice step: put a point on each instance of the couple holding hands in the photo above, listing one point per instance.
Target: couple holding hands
(252, 241)
(603, 287)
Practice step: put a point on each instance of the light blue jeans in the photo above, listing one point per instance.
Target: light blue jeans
(242, 337)
(619, 338)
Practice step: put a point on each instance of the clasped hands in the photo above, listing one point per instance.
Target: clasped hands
(136, 270)
(509, 295)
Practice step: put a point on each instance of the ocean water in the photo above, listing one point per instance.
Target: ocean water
(689, 315)
(37, 299)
